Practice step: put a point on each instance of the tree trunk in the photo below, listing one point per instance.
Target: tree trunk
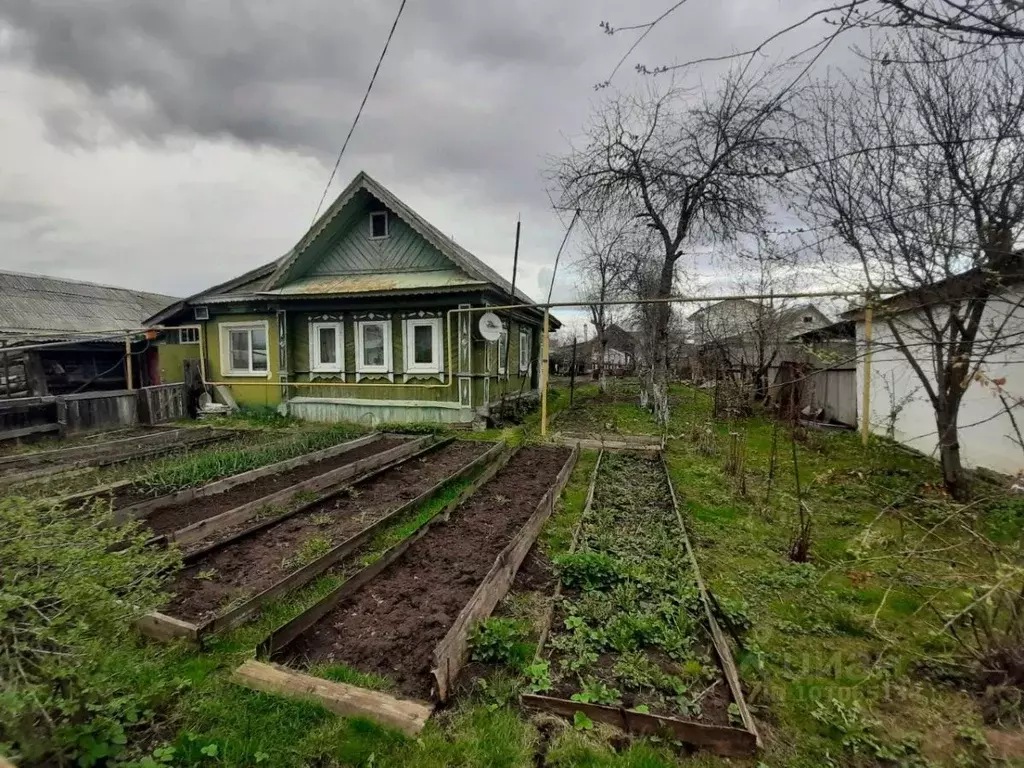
(602, 347)
(657, 386)
(953, 476)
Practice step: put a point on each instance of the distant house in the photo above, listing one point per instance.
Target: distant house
(619, 354)
(60, 336)
(364, 320)
(991, 414)
(740, 338)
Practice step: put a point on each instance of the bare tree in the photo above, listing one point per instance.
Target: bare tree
(918, 170)
(601, 270)
(690, 166)
(968, 24)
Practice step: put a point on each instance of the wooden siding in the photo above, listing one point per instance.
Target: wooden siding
(483, 366)
(352, 251)
(258, 393)
(481, 373)
(172, 359)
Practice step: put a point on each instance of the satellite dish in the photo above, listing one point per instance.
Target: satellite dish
(490, 326)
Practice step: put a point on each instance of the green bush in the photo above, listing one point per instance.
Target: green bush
(587, 570)
(500, 641)
(71, 661)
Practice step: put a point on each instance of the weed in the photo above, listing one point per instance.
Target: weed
(321, 519)
(342, 673)
(860, 734)
(539, 675)
(587, 570)
(311, 549)
(500, 641)
(305, 496)
(593, 691)
(207, 574)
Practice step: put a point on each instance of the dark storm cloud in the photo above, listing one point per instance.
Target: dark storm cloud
(473, 97)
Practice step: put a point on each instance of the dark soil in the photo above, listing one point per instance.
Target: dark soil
(247, 566)
(393, 624)
(177, 516)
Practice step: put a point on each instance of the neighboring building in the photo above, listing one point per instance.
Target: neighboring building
(816, 374)
(900, 409)
(798, 320)
(724, 319)
(61, 336)
(619, 354)
(356, 322)
(742, 338)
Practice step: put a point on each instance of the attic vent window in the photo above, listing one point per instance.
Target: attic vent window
(379, 225)
(808, 319)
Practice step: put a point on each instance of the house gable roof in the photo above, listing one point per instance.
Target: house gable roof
(458, 255)
(295, 273)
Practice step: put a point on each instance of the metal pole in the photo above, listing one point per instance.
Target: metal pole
(128, 362)
(865, 423)
(544, 378)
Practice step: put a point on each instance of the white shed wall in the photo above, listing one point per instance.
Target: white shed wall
(986, 432)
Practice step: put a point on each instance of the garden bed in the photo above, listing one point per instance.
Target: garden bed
(414, 615)
(231, 572)
(632, 642)
(203, 505)
(117, 452)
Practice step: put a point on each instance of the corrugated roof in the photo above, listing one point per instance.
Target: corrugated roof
(38, 303)
(372, 283)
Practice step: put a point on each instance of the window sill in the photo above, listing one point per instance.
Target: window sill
(247, 374)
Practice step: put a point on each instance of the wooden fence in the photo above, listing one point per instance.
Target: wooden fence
(162, 403)
(91, 411)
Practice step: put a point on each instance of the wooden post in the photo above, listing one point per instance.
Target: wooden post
(128, 363)
(7, 375)
(865, 423)
(572, 373)
(544, 376)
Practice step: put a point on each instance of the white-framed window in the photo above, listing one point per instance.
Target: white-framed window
(502, 350)
(424, 348)
(188, 335)
(373, 346)
(380, 226)
(244, 349)
(525, 349)
(326, 347)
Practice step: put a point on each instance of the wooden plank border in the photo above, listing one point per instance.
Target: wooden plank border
(162, 627)
(721, 739)
(408, 716)
(451, 653)
(599, 444)
(145, 508)
(275, 644)
(717, 636)
(203, 529)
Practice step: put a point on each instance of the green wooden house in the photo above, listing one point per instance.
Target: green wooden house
(365, 320)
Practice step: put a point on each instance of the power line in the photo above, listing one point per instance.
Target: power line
(359, 112)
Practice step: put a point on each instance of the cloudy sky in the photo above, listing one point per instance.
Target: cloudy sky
(167, 146)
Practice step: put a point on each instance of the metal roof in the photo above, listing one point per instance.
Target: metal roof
(31, 304)
(371, 283)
